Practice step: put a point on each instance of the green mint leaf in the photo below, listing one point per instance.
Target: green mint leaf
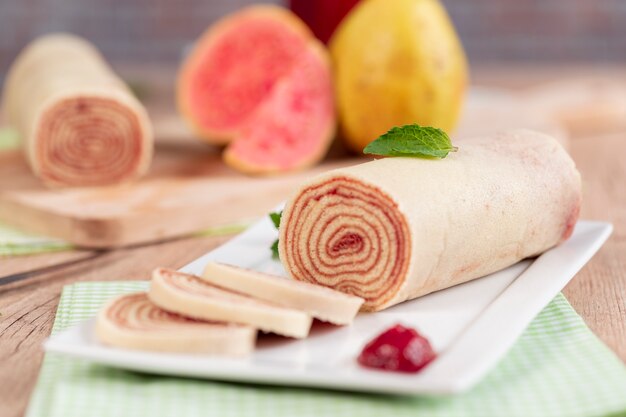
(276, 218)
(412, 140)
(274, 249)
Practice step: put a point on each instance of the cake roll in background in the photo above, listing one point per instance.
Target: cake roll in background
(79, 123)
(398, 228)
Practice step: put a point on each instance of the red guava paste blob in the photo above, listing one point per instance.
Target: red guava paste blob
(398, 349)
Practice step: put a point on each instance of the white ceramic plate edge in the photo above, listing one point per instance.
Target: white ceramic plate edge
(508, 315)
(511, 312)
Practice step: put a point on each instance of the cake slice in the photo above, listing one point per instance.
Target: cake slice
(320, 302)
(193, 297)
(132, 321)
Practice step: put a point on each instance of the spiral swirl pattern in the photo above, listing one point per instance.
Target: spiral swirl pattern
(86, 141)
(132, 321)
(349, 236)
(137, 312)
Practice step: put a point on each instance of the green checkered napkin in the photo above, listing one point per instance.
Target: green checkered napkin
(14, 242)
(557, 368)
(9, 138)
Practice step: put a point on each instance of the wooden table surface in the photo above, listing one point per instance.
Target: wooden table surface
(27, 307)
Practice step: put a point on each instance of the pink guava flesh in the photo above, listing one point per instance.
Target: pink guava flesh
(239, 68)
(293, 126)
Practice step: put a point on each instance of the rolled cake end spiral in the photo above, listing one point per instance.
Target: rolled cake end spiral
(90, 140)
(79, 123)
(137, 312)
(347, 235)
(132, 321)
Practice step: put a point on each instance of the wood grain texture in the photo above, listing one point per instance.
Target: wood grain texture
(28, 307)
(598, 292)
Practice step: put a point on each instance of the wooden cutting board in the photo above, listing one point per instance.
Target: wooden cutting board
(189, 189)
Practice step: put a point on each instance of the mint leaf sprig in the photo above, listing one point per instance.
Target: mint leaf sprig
(413, 141)
(275, 216)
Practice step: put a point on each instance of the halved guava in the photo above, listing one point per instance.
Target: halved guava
(259, 80)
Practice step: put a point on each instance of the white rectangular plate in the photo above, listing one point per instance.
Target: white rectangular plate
(471, 326)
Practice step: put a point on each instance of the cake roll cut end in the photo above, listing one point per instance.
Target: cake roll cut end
(323, 303)
(343, 233)
(91, 140)
(132, 321)
(193, 297)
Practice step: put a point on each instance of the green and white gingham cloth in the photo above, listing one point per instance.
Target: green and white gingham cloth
(557, 368)
(14, 242)
(9, 139)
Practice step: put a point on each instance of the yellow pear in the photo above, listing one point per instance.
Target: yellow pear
(397, 62)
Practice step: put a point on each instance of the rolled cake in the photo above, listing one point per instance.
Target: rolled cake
(320, 302)
(131, 321)
(79, 123)
(192, 297)
(398, 228)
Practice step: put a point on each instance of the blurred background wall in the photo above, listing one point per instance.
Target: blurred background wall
(156, 31)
